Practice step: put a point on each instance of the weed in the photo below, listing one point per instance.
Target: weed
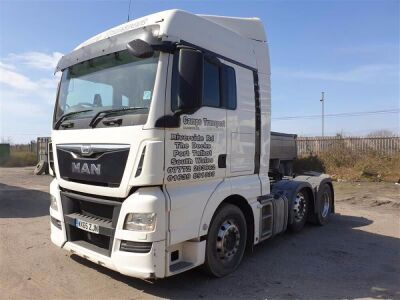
(20, 159)
(343, 163)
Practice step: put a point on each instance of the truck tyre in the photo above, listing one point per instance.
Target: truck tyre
(226, 241)
(301, 205)
(40, 168)
(325, 205)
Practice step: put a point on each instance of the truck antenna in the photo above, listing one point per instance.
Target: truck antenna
(129, 9)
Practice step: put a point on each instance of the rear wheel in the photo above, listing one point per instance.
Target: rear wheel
(300, 211)
(226, 241)
(325, 205)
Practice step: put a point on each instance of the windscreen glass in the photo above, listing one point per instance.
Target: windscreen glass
(113, 81)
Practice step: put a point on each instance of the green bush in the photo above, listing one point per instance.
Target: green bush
(346, 164)
(309, 163)
(20, 159)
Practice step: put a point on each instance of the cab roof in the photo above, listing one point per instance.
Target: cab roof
(233, 37)
(251, 28)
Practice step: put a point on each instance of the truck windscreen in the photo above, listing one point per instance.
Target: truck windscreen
(114, 81)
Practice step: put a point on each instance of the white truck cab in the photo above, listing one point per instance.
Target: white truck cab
(161, 148)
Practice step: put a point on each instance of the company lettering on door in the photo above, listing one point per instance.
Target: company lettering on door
(192, 155)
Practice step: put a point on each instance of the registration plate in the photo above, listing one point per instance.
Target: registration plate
(87, 226)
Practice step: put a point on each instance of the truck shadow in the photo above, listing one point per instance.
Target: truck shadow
(17, 202)
(338, 260)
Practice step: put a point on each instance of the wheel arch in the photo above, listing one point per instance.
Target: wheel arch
(234, 199)
(289, 189)
(247, 211)
(313, 182)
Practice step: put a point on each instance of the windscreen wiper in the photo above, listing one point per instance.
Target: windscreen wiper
(63, 117)
(105, 113)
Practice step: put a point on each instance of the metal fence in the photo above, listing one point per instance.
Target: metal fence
(315, 145)
(42, 148)
(31, 147)
(39, 147)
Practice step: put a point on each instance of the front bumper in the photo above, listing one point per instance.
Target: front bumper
(141, 265)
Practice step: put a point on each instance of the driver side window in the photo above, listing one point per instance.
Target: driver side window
(219, 84)
(211, 85)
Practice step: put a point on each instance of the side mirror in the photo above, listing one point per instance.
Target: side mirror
(189, 88)
(140, 48)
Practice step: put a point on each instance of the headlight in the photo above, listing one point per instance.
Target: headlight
(53, 202)
(140, 221)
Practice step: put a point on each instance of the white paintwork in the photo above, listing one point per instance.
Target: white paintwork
(132, 264)
(184, 208)
(141, 265)
(190, 251)
(242, 153)
(251, 28)
(175, 25)
(135, 136)
(241, 125)
(58, 237)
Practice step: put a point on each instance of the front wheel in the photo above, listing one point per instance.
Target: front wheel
(226, 241)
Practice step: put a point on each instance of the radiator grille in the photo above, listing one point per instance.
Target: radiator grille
(93, 210)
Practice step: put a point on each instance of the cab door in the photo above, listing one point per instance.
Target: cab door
(195, 155)
(194, 149)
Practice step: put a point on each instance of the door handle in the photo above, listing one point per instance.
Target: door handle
(222, 161)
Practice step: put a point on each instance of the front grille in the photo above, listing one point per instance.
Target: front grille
(103, 213)
(96, 209)
(101, 165)
(137, 247)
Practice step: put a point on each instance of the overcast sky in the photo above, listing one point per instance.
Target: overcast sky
(349, 49)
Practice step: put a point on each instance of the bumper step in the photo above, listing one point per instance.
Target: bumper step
(105, 226)
(180, 266)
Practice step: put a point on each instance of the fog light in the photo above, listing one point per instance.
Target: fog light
(53, 203)
(140, 221)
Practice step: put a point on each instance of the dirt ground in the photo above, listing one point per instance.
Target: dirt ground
(356, 255)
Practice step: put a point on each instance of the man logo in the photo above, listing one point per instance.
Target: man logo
(86, 149)
(93, 169)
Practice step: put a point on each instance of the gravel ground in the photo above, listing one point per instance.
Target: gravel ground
(356, 255)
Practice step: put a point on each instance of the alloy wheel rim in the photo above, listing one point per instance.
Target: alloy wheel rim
(325, 204)
(228, 240)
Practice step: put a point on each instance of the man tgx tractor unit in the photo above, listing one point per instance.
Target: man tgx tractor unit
(161, 148)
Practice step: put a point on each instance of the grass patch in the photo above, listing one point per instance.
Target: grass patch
(343, 163)
(20, 159)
